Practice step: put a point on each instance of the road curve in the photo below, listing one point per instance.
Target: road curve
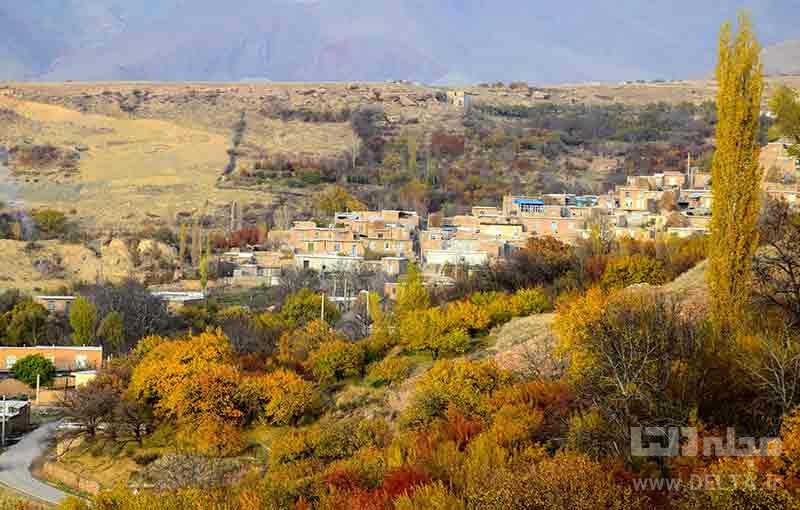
(16, 461)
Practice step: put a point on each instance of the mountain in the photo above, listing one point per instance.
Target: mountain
(782, 58)
(320, 40)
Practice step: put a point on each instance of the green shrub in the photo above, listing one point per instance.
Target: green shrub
(50, 223)
(27, 368)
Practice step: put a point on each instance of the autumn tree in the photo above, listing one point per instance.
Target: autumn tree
(336, 199)
(412, 295)
(83, 319)
(197, 243)
(203, 272)
(182, 235)
(785, 105)
(631, 270)
(736, 175)
(633, 357)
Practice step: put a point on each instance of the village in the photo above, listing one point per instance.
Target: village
(646, 207)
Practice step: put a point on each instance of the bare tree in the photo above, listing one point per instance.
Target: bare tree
(89, 407)
(143, 313)
(777, 264)
(775, 368)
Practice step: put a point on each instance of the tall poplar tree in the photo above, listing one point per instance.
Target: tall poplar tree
(736, 175)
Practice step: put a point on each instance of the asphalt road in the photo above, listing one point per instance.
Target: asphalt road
(15, 466)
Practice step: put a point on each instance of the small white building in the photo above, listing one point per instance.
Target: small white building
(456, 257)
(327, 262)
(177, 300)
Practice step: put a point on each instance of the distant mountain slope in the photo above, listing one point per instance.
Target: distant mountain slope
(782, 58)
(317, 40)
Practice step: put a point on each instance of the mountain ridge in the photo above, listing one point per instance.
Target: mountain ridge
(343, 40)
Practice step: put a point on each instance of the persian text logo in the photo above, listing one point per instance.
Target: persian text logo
(728, 446)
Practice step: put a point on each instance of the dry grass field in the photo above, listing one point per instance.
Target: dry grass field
(146, 152)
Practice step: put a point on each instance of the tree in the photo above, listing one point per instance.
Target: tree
(26, 323)
(336, 199)
(83, 318)
(90, 406)
(144, 314)
(462, 385)
(305, 306)
(336, 360)
(633, 357)
(541, 262)
(777, 264)
(631, 270)
(736, 175)
(785, 105)
(288, 397)
(772, 360)
(28, 368)
(203, 272)
(182, 233)
(197, 242)
(112, 331)
(133, 417)
(412, 296)
(411, 146)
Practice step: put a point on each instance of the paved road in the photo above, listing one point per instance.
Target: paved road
(15, 466)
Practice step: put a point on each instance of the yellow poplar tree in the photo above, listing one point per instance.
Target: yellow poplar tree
(736, 175)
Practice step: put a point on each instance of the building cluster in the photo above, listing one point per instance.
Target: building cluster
(644, 207)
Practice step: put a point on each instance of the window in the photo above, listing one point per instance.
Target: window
(338, 247)
(51, 306)
(10, 360)
(554, 226)
(81, 361)
(306, 264)
(386, 245)
(310, 246)
(353, 250)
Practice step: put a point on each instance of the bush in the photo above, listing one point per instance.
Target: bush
(27, 368)
(496, 304)
(336, 360)
(145, 458)
(529, 302)
(631, 270)
(461, 385)
(289, 397)
(50, 223)
(304, 306)
(390, 371)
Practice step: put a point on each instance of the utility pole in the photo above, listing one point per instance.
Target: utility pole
(5, 417)
(322, 308)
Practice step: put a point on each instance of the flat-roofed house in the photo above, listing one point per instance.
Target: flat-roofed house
(55, 304)
(176, 300)
(65, 358)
